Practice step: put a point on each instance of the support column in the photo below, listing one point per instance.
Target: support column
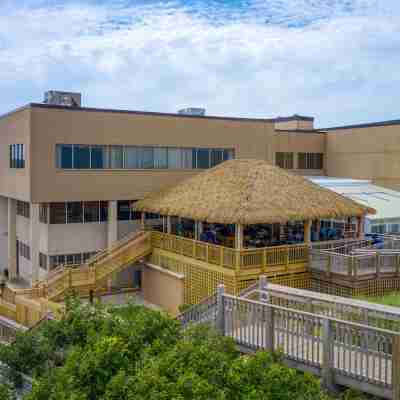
(112, 228)
(239, 236)
(168, 224)
(360, 227)
(318, 227)
(34, 241)
(12, 238)
(198, 227)
(307, 231)
(143, 220)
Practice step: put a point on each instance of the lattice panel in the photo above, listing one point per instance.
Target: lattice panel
(299, 281)
(199, 282)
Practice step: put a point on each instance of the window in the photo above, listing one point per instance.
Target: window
(43, 214)
(78, 156)
(103, 211)
(146, 158)
(81, 157)
(131, 157)
(58, 213)
(124, 210)
(70, 259)
(17, 156)
(394, 228)
(74, 212)
(92, 211)
(160, 158)
(98, 157)
(42, 261)
(311, 161)
(24, 250)
(217, 156)
(23, 209)
(284, 160)
(64, 156)
(378, 228)
(116, 157)
(135, 215)
(203, 158)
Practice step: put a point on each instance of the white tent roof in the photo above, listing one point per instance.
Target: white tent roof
(386, 202)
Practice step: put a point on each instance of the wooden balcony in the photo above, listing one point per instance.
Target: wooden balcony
(267, 259)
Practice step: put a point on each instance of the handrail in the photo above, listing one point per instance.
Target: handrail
(313, 315)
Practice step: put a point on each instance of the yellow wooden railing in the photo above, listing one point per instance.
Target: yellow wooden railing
(238, 260)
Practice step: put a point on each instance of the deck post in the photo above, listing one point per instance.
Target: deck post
(377, 265)
(398, 266)
(168, 224)
(396, 367)
(143, 220)
(263, 287)
(327, 355)
(307, 231)
(220, 320)
(270, 328)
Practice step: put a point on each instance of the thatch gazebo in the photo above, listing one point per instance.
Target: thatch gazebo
(244, 193)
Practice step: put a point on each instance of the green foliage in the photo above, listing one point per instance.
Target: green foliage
(391, 299)
(108, 353)
(6, 393)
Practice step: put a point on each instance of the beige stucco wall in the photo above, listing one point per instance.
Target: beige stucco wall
(163, 288)
(52, 126)
(298, 142)
(295, 124)
(76, 238)
(15, 129)
(365, 153)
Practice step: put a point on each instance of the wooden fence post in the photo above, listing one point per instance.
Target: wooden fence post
(378, 265)
(270, 328)
(396, 367)
(327, 355)
(263, 287)
(220, 322)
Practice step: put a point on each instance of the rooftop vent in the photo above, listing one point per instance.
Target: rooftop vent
(200, 112)
(58, 98)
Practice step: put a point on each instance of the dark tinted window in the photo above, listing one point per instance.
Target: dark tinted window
(81, 157)
(98, 157)
(124, 210)
(64, 156)
(74, 212)
(103, 211)
(91, 210)
(203, 158)
(57, 213)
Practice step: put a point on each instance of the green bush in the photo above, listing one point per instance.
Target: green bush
(107, 353)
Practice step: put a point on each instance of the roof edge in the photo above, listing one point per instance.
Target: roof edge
(135, 112)
(364, 125)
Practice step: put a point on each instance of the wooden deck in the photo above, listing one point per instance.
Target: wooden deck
(355, 355)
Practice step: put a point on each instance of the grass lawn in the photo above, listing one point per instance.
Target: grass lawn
(391, 299)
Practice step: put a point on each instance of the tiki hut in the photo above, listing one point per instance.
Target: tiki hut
(245, 192)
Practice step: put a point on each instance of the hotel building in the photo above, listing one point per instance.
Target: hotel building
(69, 173)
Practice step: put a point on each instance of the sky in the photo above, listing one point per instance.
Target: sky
(336, 60)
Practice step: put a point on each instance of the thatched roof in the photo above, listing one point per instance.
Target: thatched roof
(249, 192)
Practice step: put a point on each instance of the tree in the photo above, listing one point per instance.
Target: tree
(111, 353)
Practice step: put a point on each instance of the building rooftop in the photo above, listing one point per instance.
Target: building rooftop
(386, 202)
(135, 112)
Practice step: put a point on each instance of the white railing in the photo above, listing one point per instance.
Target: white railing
(341, 352)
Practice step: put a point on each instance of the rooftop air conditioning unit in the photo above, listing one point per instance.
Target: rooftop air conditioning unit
(68, 99)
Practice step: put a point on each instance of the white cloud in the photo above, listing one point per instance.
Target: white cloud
(334, 59)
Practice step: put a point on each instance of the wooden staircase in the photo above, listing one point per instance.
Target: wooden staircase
(29, 305)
